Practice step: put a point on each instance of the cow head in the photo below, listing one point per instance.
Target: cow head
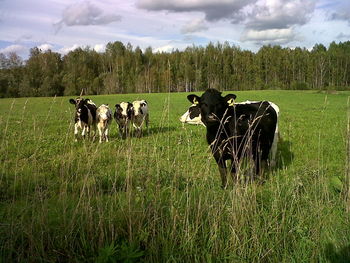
(138, 107)
(80, 105)
(212, 105)
(103, 112)
(124, 110)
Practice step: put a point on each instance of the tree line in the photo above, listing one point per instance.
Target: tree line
(124, 69)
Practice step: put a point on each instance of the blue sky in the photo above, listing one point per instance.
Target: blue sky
(63, 25)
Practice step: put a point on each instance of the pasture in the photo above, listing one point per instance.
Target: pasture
(158, 198)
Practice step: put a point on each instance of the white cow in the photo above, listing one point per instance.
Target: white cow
(103, 119)
(140, 115)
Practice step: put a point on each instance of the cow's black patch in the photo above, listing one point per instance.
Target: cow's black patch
(194, 111)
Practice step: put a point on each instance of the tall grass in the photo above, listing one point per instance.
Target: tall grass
(158, 198)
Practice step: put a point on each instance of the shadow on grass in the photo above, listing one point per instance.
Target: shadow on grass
(335, 256)
(145, 133)
(284, 154)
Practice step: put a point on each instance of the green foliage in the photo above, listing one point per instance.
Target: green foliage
(158, 198)
(125, 69)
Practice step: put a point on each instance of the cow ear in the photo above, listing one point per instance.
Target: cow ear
(72, 101)
(230, 99)
(194, 99)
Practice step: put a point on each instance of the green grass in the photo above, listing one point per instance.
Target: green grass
(158, 198)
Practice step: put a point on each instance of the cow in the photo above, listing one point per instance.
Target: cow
(122, 115)
(140, 116)
(193, 116)
(85, 116)
(235, 131)
(103, 120)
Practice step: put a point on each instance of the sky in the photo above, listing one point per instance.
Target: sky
(165, 25)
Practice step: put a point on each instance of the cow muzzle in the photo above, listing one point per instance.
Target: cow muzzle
(212, 118)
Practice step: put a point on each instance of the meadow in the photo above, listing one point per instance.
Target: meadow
(158, 198)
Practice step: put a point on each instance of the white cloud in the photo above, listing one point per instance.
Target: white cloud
(84, 14)
(269, 36)
(66, 50)
(45, 47)
(195, 25)
(100, 48)
(166, 48)
(278, 14)
(14, 49)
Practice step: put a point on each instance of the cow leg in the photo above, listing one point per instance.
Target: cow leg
(94, 128)
(139, 132)
(76, 131)
(223, 171)
(106, 134)
(274, 149)
(84, 131)
(87, 130)
(233, 171)
(122, 131)
(100, 132)
(147, 121)
(260, 165)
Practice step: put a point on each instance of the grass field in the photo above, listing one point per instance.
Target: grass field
(158, 198)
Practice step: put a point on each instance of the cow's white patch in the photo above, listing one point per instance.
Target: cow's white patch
(103, 118)
(124, 106)
(275, 137)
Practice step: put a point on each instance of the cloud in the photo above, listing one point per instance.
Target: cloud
(195, 25)
(275, 21)
(280, 14)
(14, 49)
(45, 47)
(66, 50)
(342, 12)
(84, 14)
(343, 36)
(100, 48)
(166, 48)
(276, 18)
(269, 36)
(213, 9)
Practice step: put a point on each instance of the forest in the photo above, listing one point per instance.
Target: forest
(125, 69)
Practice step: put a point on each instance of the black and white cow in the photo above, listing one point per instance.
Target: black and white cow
(235, 131)
(103, 120)
(140, 115)
(85, 116)
(193, 116)
(122, 115)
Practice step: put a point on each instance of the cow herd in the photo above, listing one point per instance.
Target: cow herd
(234, 131)
(88, 115)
